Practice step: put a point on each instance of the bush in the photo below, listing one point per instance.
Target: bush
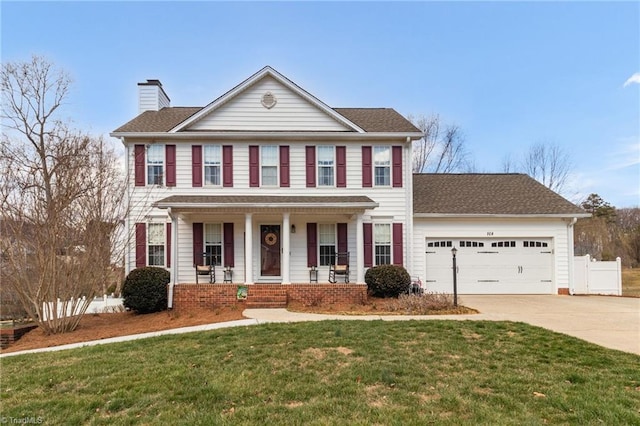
(422, 304)
(387, 281)
(145, 290)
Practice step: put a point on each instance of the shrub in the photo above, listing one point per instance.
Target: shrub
(422, 304)
(387, 280)
(145, 290)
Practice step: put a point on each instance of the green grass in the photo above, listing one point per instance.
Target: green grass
(331, 373)
(631, 282)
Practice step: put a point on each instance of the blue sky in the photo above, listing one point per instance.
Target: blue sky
(510, 74)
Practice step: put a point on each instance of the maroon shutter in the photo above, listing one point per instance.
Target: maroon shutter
(196, 166)
(396, 161)
(141, 245)
(170, 154)
(397, 244)
(312, 244)
(168, 245)
(139, 165)
(229, 257)
(198, 245)
(227, 166)
(367, 174)
(343, 245)
(368, 244)
(310, 162)
(341, 162)
(254, 166)
(284, 166)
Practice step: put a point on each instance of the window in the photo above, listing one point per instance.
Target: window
(382, 242)
(326, 161)
(155, 165)
(212, 161)
(532, 244)
(471, 244)
(269, 165)
(213, 243)
(439, 244)
(382, 165)
(155, 244)
(327, 243)
(504, 244)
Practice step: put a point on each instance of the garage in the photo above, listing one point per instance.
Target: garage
(490, 265)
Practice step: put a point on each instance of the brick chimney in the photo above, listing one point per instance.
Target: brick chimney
(151, 96)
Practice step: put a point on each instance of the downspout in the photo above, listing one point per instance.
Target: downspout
(571, 254)
(174, 256)
(409, 214)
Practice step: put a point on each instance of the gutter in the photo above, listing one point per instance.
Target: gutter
(499, 215)
(571, 253)
(276, 135)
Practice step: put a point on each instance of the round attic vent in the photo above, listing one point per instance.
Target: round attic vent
(268, 100)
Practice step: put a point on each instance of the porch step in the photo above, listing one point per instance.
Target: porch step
(277, 299)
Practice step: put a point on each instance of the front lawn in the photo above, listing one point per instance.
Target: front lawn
(331, 372)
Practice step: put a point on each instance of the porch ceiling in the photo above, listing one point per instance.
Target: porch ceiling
(265, 203)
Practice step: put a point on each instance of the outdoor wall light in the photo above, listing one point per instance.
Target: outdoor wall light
(293, 229)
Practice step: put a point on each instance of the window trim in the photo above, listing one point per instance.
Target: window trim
(204, 165)
(163, 245)
(389, 245)
(220, 259)
(320, 245)
(161, 164)
(333, 166)
(261, 166)
(387, 166)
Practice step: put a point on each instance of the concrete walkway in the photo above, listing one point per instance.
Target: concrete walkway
(612, 322)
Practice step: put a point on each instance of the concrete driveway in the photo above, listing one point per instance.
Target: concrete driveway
(612, 322)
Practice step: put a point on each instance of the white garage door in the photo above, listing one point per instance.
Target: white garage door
(491, 266)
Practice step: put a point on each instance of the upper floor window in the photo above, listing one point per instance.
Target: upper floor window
(327, 243)
(212, 164)
(382, 165)
(269, 165)
(155, 244)
(382, 243)
(155, 165)
(326, 162)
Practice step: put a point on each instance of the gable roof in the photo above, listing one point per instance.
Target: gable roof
(355, 120)
(487, 194)
(265, 72)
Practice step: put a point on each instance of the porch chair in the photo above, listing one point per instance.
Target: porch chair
(340, 266)
(208, 267)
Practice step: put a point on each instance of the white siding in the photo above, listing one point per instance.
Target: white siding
(393, 205)
(246, 112)
(151, 98)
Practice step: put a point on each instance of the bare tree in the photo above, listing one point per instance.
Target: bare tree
(441, 149)
(60, 199)
(548, 164)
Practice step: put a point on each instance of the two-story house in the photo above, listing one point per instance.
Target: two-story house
(268, 185)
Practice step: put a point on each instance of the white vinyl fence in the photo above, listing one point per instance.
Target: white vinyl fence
(593, 277)
(104, 304)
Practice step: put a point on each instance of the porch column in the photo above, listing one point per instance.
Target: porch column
(359, 250)
(286, 248)
(248, 248)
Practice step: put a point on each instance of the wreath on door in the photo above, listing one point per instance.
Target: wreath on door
(270, 238)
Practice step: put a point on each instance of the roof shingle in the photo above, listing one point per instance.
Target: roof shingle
(490, 194)
(369, 119)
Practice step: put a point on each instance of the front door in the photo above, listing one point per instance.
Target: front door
(270, 250)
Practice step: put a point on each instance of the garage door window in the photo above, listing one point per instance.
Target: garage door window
(533, 244)
(503, 244)
(471, 244)
(440, 244)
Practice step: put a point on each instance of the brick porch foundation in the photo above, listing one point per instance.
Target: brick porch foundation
(266, 295)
